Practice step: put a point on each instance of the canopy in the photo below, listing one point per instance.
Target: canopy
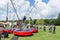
(1, 22)
(9, 23)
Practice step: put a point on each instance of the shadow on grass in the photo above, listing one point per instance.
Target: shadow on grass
(35, 32)
(6, 37)
(24, 36)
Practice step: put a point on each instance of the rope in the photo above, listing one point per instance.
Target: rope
(14, 9)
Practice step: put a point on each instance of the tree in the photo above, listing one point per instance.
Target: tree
(40, 21)
(58, 16)
(34, 22)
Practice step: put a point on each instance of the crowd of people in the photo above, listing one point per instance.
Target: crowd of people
(52, 28)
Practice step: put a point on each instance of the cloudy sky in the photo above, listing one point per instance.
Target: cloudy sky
(35, 9)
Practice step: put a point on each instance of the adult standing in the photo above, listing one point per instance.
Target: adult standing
(50, 28)
(44, 28)
(54, 29)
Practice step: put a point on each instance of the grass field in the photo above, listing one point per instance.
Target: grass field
(41, 35)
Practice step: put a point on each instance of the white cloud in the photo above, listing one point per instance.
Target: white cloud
(49, 10)
(3, 3)
(41, 9)
(20, 5)
(55, 4)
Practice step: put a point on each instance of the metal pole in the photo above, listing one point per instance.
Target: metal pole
(19, 21)
(7, 13)
(14, 9)
(30, 12)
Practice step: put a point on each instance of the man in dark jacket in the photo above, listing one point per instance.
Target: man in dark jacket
(54, 29)
(5, 34)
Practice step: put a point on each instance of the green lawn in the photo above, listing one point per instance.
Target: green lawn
(41, 35)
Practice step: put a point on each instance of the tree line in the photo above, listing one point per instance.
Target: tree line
(43, 21)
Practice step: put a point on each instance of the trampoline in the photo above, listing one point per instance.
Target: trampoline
(22, 33)
(1, 31)
(8, 30)
(34, 31)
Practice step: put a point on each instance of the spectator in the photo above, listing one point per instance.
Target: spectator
(5, 34)
(54, 29)
(44, 28)
(50, 28)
